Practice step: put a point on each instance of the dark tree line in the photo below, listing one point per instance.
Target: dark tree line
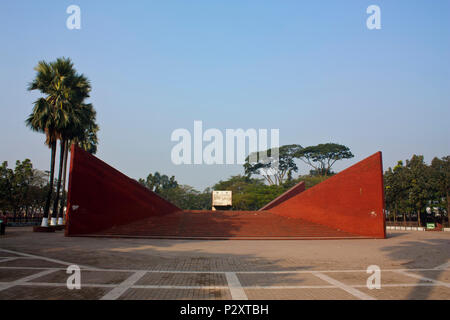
(23, 190)
(248, 193)
(413, 187)
(183, 196)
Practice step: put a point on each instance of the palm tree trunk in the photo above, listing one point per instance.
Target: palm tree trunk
(58, 185)
(50, 189)
(418, 218)
(63, 197)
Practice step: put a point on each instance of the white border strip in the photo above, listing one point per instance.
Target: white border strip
(8, 259)
(445, 284)
(115, 293)
(343, 286)
(443, 266)
(236, 290)
(43, 258)
(24, 281)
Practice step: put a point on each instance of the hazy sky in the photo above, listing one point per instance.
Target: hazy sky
(309, 68)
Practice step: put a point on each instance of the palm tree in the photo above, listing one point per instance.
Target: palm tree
(56, 113)
(42, 119)
(78, 118)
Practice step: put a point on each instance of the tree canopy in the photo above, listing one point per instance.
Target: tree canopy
(411, 188)
(323, 156)
(62, 114)
(22, 189)
(275, 164)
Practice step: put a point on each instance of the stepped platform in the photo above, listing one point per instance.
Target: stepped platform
(220, 225)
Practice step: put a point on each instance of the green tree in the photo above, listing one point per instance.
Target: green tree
(183, 196)
(60, 114)
(23, 189)
(249, 193)
(22, 181)
(187, 198)
(396, 190)
(237, 184)
(323, 156)
(275, 164)
(159, 183)
(310, 181)
(6, 187)
(440, 171)
(419, 184)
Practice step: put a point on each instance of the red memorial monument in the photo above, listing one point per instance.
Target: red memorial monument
(102, 202)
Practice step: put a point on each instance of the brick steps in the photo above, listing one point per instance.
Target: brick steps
(224, 225)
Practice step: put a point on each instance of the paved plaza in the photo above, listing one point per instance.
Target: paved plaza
(414, 264)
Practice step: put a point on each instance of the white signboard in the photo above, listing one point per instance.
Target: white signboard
(221, 198)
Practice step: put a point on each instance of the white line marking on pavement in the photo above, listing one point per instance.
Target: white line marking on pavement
(90, 268)
(43, 258)
(343, 286)
(101, 285)
(8, 259)
(31, 268)
(386, 285)
(31, 258)
(443, 266)
(445, 284)
(115, 293)
(23, 281)
(236, 290)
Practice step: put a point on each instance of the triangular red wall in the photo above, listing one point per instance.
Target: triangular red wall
(352, 200)
(100, 197)
(298, 188)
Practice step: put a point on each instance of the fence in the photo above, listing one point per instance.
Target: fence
(24, 221)
(414, 224)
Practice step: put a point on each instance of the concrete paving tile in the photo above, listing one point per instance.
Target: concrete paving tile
(176, 294)
(51, 293)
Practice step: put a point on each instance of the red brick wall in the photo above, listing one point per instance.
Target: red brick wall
(100, 197)
(298, 188)
(352, 201)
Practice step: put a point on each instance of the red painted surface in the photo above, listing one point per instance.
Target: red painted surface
(104, 202)
(352, 201)
(100, 197)
(298, 188)
(195, 224)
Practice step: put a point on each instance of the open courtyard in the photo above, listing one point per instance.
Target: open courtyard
(414, 265)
